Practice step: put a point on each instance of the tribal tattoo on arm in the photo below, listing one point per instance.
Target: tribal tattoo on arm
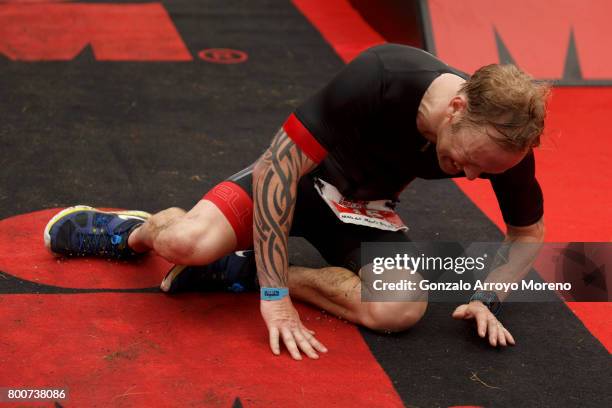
(275, 183)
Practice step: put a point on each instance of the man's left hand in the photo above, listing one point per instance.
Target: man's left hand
(486, 323)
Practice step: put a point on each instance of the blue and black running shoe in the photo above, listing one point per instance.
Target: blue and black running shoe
(86, 231)
(235, 272)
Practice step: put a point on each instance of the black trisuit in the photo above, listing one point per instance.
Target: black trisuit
(361, 131)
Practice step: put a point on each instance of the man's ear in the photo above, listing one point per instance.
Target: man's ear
(457, 104)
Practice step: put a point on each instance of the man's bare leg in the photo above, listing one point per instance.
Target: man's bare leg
(338, 291)
(142, 238)
(197, 237)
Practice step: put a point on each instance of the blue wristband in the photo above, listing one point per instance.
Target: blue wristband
(274, 293)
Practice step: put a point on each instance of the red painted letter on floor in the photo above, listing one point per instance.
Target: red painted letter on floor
(116, 32)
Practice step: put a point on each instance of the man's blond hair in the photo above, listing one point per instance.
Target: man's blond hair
(509, 100)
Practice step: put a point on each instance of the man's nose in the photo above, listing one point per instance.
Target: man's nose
(470, 172)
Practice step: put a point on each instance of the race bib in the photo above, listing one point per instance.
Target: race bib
(376, 214)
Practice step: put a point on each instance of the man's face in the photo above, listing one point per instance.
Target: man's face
(473, 151)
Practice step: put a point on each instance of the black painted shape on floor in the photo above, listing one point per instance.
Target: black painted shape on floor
(502, 51)
(10, 284)
(152, 135)
(571, 69)
(86, 55)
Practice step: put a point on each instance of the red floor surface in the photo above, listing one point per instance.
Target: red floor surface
(123, 350)
(150, 349)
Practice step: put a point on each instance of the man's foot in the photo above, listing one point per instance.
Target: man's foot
(235, 272)
(86, 231)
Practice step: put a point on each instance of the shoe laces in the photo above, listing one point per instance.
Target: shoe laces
(100, 241)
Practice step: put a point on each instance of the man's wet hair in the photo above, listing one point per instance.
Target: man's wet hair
(510, 101)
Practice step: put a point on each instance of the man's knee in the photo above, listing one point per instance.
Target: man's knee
(171, 213)
(187, 243)
(198, 237)
(392, 316)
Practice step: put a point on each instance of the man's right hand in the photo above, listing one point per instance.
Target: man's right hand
(282, 320)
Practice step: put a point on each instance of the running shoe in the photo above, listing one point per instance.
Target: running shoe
(235, 272)
(86, 231)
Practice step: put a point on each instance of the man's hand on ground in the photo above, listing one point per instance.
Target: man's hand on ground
(486, 323)
(283, 321)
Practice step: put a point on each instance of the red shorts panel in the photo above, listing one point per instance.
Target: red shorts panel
(237, 206)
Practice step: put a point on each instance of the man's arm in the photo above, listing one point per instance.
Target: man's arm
(512, 263)
(275, 181)
(521, 251)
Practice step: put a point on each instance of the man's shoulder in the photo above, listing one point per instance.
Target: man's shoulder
(401, 58)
